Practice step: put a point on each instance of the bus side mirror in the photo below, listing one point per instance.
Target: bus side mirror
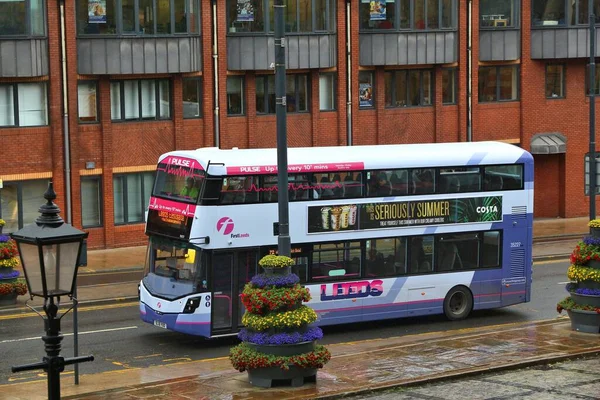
(190, 256)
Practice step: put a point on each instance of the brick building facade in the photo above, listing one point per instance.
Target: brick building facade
(140, 79)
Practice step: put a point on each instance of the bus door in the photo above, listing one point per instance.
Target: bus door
(230, 271)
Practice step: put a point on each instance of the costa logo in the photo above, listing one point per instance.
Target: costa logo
(225, 225)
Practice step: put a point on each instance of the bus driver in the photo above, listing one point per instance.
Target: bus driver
(189, 190)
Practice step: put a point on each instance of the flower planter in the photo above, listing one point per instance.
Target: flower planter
(584, 321)
(588, 285)
(285, 350)
(587, 300)
(277, 271)
(294, 376)
(593, 264)
(595, 232)
(8, 299)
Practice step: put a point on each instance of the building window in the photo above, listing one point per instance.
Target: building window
(366, 95)
(587, 174)
(562, 12)
(192, 93)
(498, 13)
(408, 88)
(326, 92)
(449, 85)
(300, 16)
(394, 15)
(23, 104)
(91, 201)
(145, 99)
(142, 17)
(87, 103)
(132, 196)
(20, 202)
(499, 83)
(235, 95)
(555, 81)
(296, 94)
(22, 18)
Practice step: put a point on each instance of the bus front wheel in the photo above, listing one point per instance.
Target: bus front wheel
(458, 303)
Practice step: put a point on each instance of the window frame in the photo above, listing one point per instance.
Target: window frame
(568, 15)
(19, 186)
(16, 109)
(411, 19)
(199, 88)
(140, 118)
(498, 86)
(123, 181)
(563, 81)
(268, 18)
(97, 88)
(28, 25)
(516, 18)
(455, 86)
(265, 79)
(406, 73)
(333, 77)
(119, 32)
(242, 79)
(98, 180)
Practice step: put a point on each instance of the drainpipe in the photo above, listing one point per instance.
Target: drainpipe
(215, 56)
(470, 72)
(348, 76)
(67, 149)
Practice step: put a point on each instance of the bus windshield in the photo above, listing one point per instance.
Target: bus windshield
(174, 268)
(178, 182)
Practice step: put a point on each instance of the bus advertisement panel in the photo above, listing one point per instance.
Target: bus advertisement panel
(348, 217)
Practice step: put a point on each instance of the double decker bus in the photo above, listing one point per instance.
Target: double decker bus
(377, 231)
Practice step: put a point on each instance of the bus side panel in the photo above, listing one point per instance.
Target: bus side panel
(335, 303)
(390, 303)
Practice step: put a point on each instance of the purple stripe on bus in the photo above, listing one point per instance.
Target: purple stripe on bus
(192, 322)
(476, 158)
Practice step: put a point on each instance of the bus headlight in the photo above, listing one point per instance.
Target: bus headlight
(191, 305)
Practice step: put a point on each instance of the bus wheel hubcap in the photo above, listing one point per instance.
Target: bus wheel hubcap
(458, 303)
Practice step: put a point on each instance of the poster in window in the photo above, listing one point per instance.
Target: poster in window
(245, 11)
(97, 11)
(365, 94)
(377, 10)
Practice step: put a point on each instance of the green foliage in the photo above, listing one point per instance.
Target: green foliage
(243, 357)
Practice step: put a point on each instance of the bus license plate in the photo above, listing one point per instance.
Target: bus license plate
(160, 324)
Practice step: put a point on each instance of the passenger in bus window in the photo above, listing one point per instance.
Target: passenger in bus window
(326, 192)
(337, 186)
(418, 259)
(383, 185)
(189, 190)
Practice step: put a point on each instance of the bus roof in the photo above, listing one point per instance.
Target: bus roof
(340, 158)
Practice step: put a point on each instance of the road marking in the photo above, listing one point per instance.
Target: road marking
(82, 309)
(563, 283)
(148, 356)
(180, 359)
(71, 334)
(561, 260)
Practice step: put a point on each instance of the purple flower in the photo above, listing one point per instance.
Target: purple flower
(261, 280)
(591, 241)
(10, 275)
(4, 238)
(263, 338)
(572, 288)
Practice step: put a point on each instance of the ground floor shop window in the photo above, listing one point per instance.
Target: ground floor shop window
(91, 201)
(20, 202)
(131, 196)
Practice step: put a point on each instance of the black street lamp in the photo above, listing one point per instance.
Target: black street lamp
(49, 250)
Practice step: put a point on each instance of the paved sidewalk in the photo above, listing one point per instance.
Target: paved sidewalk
(356, 367)
(573, 379)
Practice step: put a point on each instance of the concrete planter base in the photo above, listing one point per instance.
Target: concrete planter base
(584, 321)
(268, 377)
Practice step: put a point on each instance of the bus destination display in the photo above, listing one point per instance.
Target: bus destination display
(169, 224)
(350, 217)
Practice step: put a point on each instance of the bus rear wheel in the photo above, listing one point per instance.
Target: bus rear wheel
(458, 303)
